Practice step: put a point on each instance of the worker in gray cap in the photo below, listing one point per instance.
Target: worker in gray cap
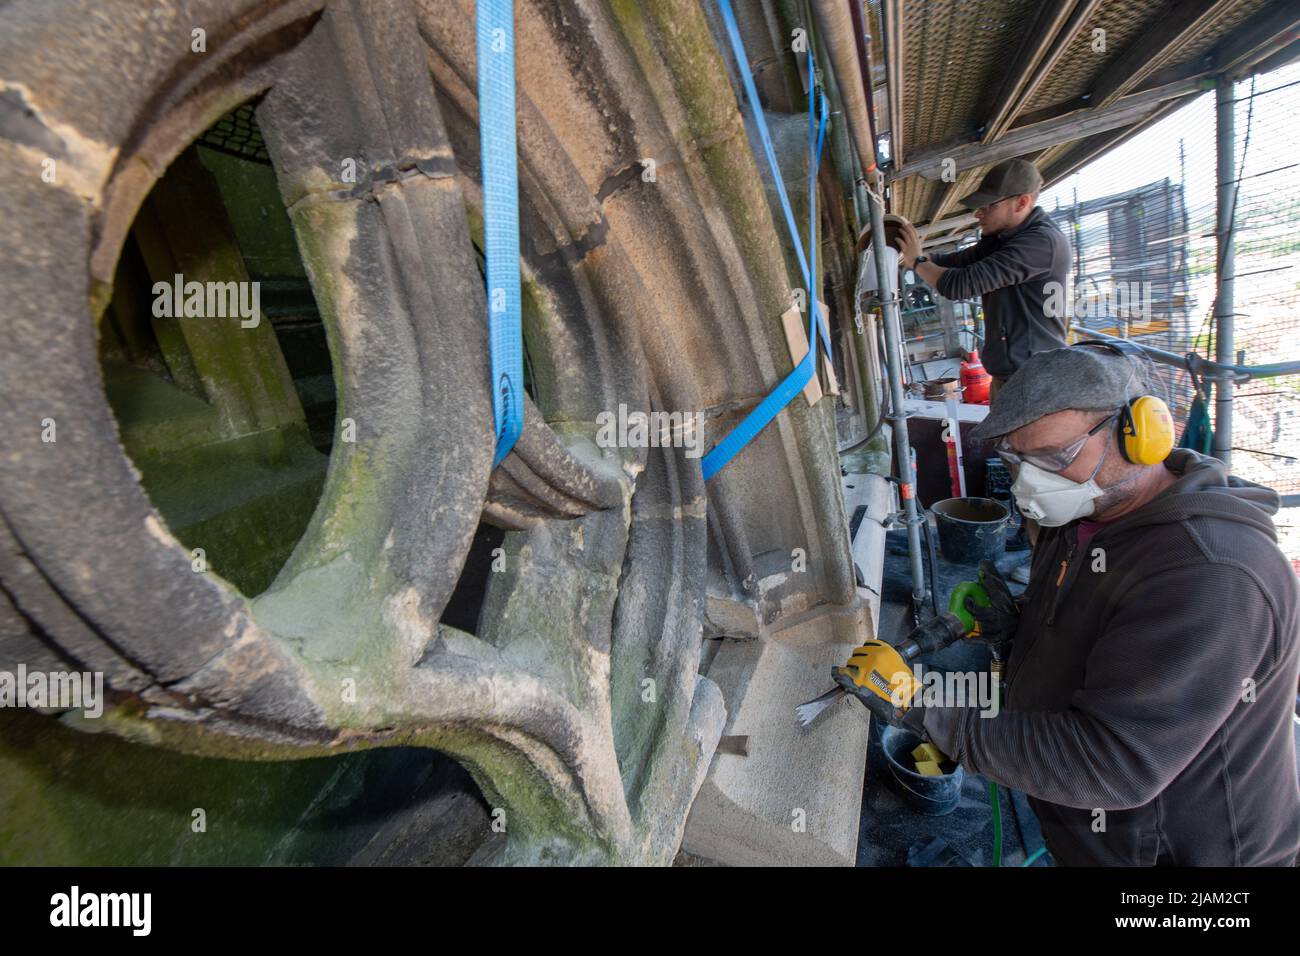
(1018, 269)
(1151, 666)
(1012, 268)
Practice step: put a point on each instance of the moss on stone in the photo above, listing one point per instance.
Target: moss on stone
(75, 799)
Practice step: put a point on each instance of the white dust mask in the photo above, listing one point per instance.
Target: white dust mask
(1053, 500)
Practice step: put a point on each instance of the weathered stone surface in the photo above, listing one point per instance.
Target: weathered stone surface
(796, 799)
(578, 706)
(745, 814)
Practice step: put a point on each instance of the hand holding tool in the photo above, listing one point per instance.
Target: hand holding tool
(989, 606)
(880, 676)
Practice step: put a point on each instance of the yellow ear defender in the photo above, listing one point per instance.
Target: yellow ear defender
(1146, 429)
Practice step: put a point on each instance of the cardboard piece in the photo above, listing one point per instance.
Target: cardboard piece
(796, 337)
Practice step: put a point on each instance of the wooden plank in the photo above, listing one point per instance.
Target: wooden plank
(796, 338)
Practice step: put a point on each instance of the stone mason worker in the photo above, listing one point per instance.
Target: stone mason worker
(1152, 663)
(1020, 253)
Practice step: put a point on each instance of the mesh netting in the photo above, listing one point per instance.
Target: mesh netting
(1145, 213)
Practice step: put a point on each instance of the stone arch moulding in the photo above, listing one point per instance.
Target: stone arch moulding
(646, 294)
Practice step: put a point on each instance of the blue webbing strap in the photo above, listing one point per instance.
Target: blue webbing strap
(496, 99)
(793, 383)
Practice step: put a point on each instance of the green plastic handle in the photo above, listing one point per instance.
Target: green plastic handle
(957, 602)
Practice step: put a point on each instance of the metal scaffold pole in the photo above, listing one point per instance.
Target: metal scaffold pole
(1224, 299)
(887, 286)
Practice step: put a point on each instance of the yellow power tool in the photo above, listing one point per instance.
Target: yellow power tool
(883, 670)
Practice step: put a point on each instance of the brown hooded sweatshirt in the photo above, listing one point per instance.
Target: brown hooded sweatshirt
(1150, 691)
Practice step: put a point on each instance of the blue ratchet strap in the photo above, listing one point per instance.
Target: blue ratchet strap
(792, 384)
(496, 99)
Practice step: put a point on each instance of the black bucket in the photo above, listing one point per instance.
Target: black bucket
(933, 796)
(970, 529)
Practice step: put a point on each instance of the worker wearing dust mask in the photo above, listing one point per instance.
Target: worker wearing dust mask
(1152, 663)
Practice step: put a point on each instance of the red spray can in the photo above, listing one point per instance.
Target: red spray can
(975, 380)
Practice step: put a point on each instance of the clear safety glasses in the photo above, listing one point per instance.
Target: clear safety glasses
(1054, 461)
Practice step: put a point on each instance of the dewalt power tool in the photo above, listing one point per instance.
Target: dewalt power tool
(881, 671)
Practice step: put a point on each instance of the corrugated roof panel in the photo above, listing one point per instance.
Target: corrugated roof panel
(953, 50)
(1080, 66)
(957, 55)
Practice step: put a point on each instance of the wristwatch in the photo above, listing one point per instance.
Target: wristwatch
(918, 260)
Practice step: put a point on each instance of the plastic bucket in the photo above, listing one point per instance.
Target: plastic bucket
(970, 529)
(933, 796)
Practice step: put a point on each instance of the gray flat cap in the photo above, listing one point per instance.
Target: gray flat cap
(1083, 377)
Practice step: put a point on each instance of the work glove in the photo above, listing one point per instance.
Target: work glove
(999, 619)
(877, 675)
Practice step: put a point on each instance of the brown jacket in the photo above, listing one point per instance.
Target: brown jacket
(1123, 716)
